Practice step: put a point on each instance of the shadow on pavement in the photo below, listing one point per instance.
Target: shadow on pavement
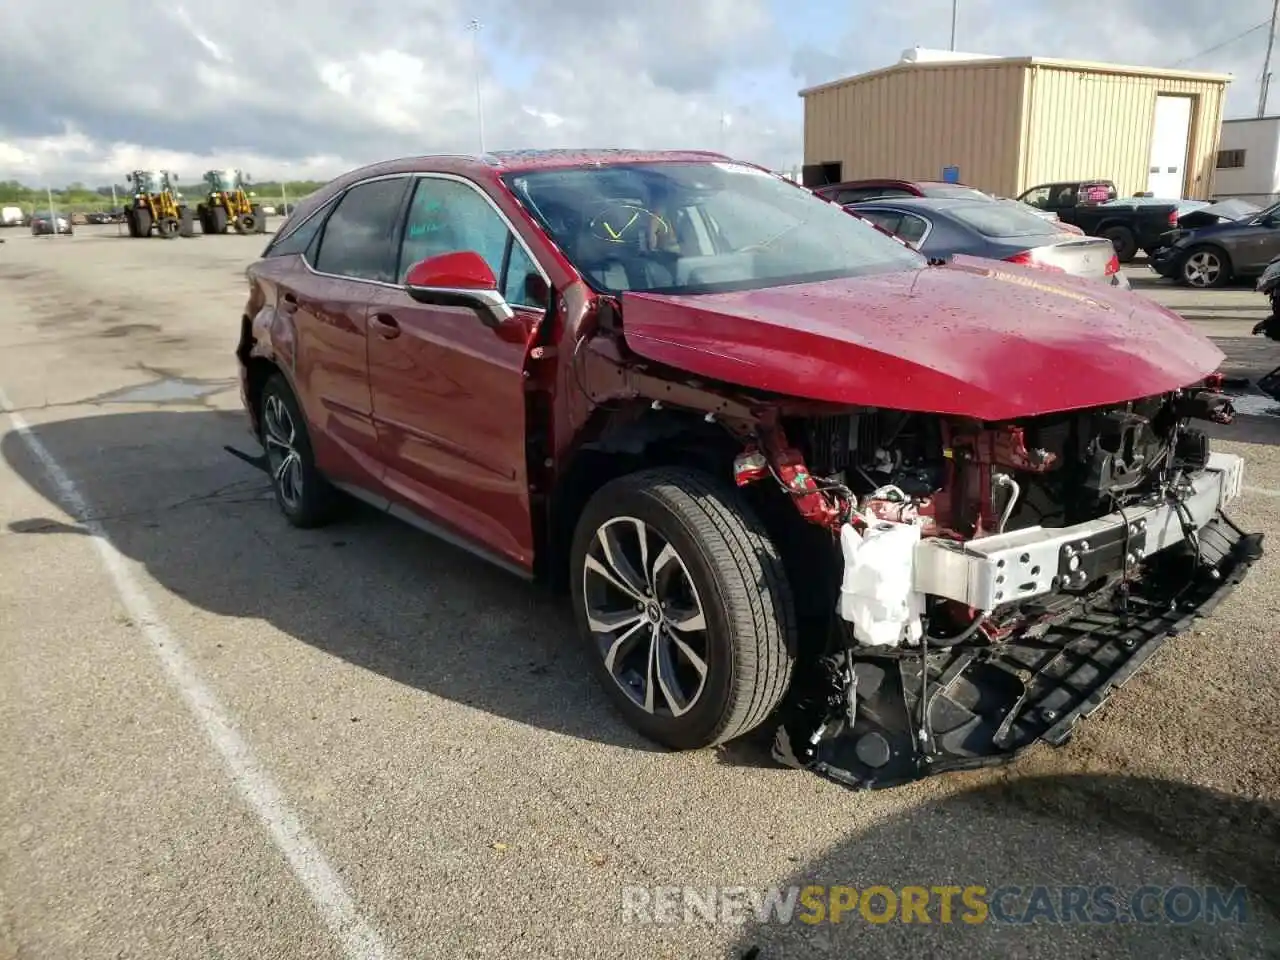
(369, 589)
(1056, 832)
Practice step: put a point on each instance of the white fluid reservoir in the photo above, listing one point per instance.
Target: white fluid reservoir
(878, 595)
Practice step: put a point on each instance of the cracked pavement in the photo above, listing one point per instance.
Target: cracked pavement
(432, 724)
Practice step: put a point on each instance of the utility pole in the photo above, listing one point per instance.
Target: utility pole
(956, 3)
(474, 26)
(1266, 65)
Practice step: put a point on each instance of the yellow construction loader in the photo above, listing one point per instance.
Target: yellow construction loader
(229, 204)
(155, 206)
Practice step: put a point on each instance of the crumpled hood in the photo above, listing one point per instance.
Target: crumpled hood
(967, 339)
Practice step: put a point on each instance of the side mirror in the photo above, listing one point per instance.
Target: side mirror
(461, 279)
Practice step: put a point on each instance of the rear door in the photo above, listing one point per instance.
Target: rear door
(352, 266)
(449, 392)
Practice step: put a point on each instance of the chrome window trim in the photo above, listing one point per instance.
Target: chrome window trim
(416, 176)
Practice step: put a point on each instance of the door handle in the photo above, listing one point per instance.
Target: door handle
(385, 325)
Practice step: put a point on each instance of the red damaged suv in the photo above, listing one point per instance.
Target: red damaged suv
(916, 517)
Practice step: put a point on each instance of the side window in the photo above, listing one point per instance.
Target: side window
(515, 283)
(850, 196)
(912, 228)
(357, 238)
(883, 218)
(1039, 197)
(299, 241)
(1067, 196)
(446, 216)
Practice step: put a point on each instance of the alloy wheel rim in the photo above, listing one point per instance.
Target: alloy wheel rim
(646, 617)
(280, 434)
(1202, 269)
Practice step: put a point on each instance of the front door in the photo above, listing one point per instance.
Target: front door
(1254, 246)
(449, 392)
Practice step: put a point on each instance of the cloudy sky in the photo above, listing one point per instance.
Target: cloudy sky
(92, 88)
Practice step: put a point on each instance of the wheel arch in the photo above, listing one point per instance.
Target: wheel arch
(618, 441)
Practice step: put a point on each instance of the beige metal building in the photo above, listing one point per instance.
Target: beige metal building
(1010, 124)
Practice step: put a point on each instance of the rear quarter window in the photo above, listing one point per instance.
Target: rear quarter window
(299, 238)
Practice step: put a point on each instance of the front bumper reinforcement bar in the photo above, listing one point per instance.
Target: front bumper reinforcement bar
(917, 712)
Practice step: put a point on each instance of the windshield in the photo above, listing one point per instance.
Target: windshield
(149, 181)
(955, 193)
(1264, 214)
(220, 180)
(700, 228)
(1001, 220)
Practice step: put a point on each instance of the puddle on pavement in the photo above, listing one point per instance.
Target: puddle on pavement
(166, 390)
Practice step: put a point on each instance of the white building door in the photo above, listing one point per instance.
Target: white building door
(1170, 139)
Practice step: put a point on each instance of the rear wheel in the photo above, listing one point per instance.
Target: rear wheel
(1125, 243)
(1204, 267)
(304, 496)
(685, 606)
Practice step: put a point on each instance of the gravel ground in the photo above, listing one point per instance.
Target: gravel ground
(231, 738)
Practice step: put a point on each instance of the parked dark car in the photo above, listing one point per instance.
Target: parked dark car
(44, 222)
(1093, 206)
(776, 457)
(856, 191)
(941, 229)
(1215, 254)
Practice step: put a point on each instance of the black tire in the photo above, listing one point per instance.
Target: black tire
(1125, 243)
(167, 227)
(259, 218)
(142, 220)
(316, 502)
(131, 221)
(186, 222)
(749, 641)
(217, 219)
(1204, 267)
(246, 224)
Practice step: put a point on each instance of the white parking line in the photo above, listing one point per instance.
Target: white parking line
(326, 889)
(1262, 491)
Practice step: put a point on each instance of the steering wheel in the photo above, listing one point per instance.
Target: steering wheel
(620, 222)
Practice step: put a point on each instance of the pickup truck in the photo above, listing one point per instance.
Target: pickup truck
(1129, 227)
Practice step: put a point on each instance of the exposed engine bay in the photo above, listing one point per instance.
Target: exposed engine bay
(998, 580)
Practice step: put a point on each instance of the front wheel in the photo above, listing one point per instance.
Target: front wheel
(1204, 267)
(684, 605)
(304, 496)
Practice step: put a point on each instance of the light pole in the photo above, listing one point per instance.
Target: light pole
(954, 4)
(474, 26)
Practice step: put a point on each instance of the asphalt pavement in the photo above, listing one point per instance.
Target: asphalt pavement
(228, 738)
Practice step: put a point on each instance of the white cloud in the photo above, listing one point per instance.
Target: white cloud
(297, 89)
